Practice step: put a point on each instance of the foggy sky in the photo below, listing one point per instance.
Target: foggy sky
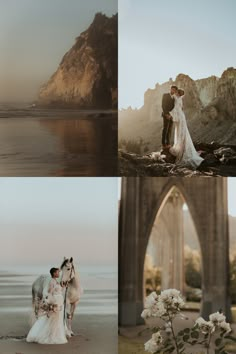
(160, 39)
(35, 35)
(44, 219)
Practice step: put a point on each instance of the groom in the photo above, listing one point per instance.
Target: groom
(168, 103)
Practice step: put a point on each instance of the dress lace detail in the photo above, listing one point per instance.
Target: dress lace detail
(50, 330)
(183, 147)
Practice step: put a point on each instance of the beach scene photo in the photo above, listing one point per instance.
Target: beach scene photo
(70, 226)
(58, 88)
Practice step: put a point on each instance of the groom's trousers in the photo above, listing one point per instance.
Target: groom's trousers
(166, 131)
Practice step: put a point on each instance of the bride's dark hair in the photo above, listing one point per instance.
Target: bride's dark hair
(180, 92)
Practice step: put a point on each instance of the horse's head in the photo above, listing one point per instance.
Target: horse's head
(68, 271)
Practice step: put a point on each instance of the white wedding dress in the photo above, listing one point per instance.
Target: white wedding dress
(50, 330)
(183, 147)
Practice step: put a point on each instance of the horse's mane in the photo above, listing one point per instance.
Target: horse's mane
(64, 263)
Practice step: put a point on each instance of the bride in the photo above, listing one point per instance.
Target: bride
(183, 148)
(49, 328)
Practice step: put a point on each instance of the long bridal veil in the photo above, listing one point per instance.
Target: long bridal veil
(183, 148)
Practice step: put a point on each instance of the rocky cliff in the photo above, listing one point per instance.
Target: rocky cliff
(209, 105)
(87, 74)
(218, 161)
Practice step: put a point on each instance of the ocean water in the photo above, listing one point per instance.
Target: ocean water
(99, 284)
(43, 142)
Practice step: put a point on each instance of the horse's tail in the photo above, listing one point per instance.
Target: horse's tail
(34, 302)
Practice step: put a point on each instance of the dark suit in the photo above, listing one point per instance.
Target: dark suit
(167, 105)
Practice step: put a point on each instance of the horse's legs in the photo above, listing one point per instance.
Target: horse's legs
(71, 315)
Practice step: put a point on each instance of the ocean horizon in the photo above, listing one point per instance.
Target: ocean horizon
(100, 295)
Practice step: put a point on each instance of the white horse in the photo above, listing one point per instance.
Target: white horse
(73, 291)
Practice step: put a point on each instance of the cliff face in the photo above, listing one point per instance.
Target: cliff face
(209, 105)
(87, 74)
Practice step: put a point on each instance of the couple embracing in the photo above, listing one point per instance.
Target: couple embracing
(173, 116)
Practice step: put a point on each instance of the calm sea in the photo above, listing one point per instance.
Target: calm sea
(99, 284)
(43, 142)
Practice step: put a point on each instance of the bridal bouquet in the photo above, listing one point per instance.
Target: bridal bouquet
(47, 307)
(204, 334)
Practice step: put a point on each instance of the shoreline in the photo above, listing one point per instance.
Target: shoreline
(90, 332)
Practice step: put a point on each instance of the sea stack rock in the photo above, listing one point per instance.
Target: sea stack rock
(87, 74)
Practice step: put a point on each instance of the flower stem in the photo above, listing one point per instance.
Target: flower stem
(208, 344)
(173, 334)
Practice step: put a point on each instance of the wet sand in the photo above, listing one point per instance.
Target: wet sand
(58, 143)
(95, 334)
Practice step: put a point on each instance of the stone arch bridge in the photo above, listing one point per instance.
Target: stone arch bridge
(142, 200)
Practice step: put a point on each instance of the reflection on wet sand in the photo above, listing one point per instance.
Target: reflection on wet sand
(54, 146)
(89, 147)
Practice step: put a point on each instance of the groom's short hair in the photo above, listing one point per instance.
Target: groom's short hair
(174, 87)
(53, 270)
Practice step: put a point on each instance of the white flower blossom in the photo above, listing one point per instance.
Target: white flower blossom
(150, 300)
(168, 327)
(146, 313)
(152, 345)
(217, 317)
(225, 326)
(205, 326)
(157, 337)
(172, 297)
(150, 306)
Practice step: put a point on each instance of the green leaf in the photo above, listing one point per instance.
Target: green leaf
(231, 338)
(169, 349)
(181, 345)
(194, 342)
(186, 337)
(195, 334)
(186, 330)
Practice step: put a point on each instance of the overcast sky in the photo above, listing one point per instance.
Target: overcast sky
(44, 219)
(35, 35)
(160, 39)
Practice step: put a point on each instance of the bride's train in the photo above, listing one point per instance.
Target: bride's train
(50, 328)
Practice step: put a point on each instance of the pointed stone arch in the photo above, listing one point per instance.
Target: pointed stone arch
(141, 201)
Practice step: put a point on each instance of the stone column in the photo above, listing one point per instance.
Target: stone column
(130, 306)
